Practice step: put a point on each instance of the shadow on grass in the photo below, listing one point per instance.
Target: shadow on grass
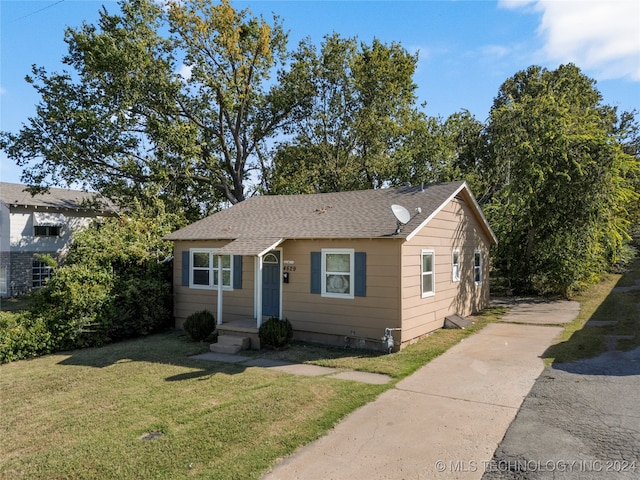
(607, 341)
(171, 348)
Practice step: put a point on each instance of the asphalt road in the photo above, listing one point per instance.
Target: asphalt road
(580, 420)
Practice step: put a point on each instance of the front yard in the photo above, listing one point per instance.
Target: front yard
(143, 409)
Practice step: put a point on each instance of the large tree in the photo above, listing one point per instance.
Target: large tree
(563, 179)
(362, 106)
(436, 150)
(170, 101)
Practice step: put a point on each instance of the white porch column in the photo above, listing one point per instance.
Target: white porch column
(219, 313)
(258, 287)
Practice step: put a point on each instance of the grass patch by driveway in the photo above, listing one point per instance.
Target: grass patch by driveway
(609, 319)
(144, 409)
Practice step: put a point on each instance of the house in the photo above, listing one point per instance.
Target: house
(342, 267)
(39, 224)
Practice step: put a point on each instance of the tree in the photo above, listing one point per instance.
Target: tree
(165, 102)
(562, 180)
(362, 104)
(442, 151)
(115, 283)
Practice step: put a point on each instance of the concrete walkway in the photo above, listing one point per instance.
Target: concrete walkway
(296, 368)
(445, 420)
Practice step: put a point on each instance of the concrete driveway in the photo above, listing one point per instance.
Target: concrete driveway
(445, 420)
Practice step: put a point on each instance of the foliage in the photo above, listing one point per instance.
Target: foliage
(75, 305)
(200, 325)
(362, 104)
(443, 151)
(47, 259)
(275, 333)
(563, 183)
(162, 101)
(114, 284)
(23, 336)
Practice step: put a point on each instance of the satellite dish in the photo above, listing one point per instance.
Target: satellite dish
(402, 214)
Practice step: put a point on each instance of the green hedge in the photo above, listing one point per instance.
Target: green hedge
(23, 335)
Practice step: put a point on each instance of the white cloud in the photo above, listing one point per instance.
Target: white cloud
(597, 35)
(3, 90)
(495, 51)
(185, 71)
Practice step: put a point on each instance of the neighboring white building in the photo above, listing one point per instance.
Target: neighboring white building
(38, 224)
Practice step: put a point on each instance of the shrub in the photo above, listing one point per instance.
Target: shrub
(275, 333)
(22, 336)
(142, 305)
(200, 325)
(77, 303)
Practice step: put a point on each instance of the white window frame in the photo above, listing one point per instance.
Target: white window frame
(477, 268)
(455, 265)
(432, 292)
(212, 268)
(351, 274)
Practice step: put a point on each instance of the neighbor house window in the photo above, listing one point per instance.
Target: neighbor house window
(477, 266)
(337, 272)
(205, 272)
(40, 273)
(3, 280)
(46, 231)
(428, 280)
(455, 265)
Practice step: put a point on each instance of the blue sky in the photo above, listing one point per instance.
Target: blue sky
(467, 49)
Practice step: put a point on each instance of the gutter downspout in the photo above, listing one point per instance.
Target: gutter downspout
(219, 313)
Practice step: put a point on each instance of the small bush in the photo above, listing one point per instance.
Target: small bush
(22, 336)
(200, 325)
(275, 333)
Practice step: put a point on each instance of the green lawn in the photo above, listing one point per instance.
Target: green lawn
(85, 414)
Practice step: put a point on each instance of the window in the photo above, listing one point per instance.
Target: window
(40, 273)
(428, 281)
(477, 266)
(46, 231)
(204, 269)
(3, 280)
(337, 273)
(455, 266)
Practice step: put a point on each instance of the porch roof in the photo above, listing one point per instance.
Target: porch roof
(254, 246)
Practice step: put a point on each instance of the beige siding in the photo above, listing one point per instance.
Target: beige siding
(454, 227)
(309, 313)
(361, 316)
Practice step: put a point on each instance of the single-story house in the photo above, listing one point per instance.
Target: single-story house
(341, 267)
(40, 224)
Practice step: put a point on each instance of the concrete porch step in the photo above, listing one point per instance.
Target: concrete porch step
(230, 344)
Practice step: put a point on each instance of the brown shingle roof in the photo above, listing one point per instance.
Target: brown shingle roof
(357, 214)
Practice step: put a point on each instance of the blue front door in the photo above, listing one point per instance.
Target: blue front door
(271, 284)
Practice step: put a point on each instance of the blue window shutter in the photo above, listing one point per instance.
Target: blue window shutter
(237, 271)
(316, 272)
(185, 268)
(360, 286)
